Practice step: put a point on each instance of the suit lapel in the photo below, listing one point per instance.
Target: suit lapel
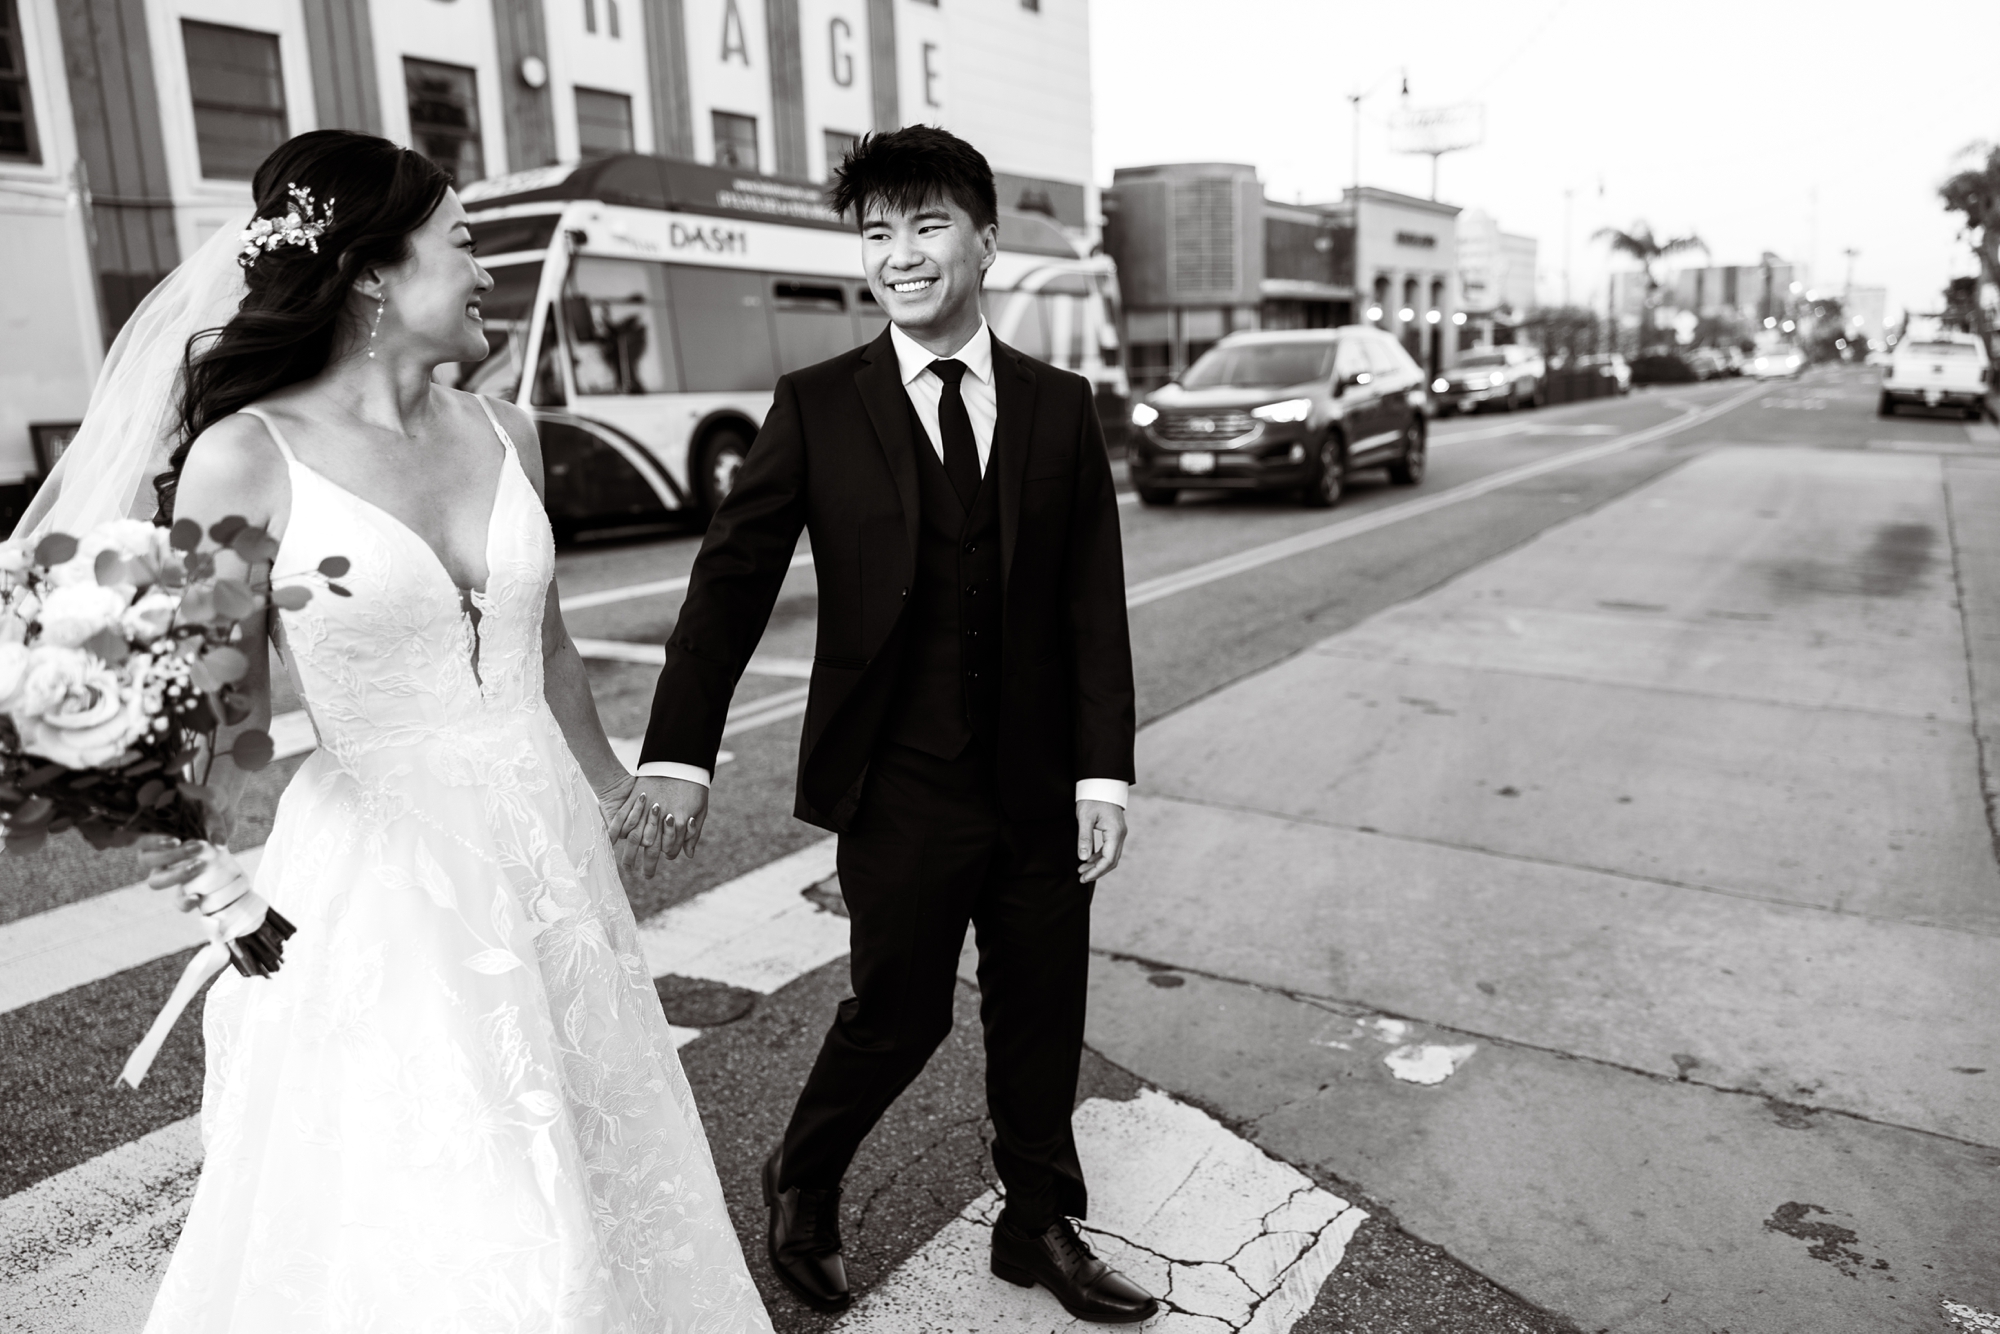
(880, 381)
(1014, 392)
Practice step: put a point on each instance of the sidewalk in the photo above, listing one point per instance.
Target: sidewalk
(1622, 916)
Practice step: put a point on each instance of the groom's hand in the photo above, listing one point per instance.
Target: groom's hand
(1100, 838)
(684, 809)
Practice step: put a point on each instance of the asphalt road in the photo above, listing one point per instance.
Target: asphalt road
(1497, 484)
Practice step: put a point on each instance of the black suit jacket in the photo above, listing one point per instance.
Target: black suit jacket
(837, 458)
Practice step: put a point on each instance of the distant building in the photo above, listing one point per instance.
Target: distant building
(129, 128)
(1202, 253)
(1867, 310)
(1496, 272)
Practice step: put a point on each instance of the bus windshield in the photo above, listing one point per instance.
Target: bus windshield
(506, 311)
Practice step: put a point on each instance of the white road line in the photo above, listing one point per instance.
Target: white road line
(605, 597)
(1152, 590)
(758, 932)
(655, 655)
(79, 943)
(1231, 1239)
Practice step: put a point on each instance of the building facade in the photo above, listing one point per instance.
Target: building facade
(141, 121)
(1201, 253)
(1497, 275)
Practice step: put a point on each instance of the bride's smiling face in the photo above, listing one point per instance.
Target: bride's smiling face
(432, 311)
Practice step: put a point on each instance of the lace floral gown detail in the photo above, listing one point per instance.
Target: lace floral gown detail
(457, 1107)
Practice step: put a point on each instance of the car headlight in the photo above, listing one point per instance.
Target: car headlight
(1291, 410)
(1497, 378)
(1440, 385)
(1144, 414)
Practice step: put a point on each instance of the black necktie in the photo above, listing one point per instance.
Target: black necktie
(961, 451)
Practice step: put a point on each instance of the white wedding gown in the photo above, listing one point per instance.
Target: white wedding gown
(457, 1106)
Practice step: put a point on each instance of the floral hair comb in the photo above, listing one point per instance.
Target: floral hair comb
(303, 224)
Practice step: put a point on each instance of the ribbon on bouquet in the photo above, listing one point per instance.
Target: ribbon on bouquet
(242, 929)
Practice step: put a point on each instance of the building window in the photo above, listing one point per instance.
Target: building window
(610, 16)
(603, 123)
(839, 143)
(17, 119)
(444, 117)
(239, 97)
(735, 140)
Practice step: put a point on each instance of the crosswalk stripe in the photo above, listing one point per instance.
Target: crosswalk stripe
(1229, 1238)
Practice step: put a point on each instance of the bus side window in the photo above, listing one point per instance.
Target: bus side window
(810, 319)
(620, 339)
(725, 332)
(548, 388)
(869, 321)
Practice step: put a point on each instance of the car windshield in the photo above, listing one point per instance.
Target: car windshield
(1258, 365)
(1478, 359)
(1940, 350)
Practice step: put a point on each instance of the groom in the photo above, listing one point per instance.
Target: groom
(970, 723)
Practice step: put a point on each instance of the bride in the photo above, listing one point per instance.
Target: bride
(457, 1106)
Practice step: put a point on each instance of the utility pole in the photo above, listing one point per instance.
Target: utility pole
(1354, 100)
(1847, 292)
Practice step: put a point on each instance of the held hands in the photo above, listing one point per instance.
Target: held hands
(1100, 839)
(651, 820)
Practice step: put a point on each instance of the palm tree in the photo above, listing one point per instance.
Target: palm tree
(1975, 194)
(1642, 245)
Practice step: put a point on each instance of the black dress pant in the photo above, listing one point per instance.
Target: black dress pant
(929, 851)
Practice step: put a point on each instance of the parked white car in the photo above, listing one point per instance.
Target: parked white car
(1941, 370)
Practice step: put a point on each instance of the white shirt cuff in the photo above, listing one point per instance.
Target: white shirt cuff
(1113, 790)
(668, 769)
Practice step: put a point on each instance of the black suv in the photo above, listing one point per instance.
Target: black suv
(1292, 411)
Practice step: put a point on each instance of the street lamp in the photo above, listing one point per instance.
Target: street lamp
(1458, 317)
(1406, 314)
(1432, 316)
(1375, 313)
(1788, 326)
(1770, 321)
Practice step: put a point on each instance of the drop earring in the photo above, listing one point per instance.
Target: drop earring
(381, 304)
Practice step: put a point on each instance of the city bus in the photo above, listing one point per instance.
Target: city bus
(644, 307)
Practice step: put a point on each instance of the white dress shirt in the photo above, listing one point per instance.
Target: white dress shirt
(926, 391)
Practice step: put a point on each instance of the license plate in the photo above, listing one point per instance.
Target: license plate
(1201, 461)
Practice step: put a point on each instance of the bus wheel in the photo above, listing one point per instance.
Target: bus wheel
(722, 456)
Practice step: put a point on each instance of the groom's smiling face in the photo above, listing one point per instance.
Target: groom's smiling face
(925, 265)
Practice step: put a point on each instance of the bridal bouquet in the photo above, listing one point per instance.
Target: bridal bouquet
(119, 666)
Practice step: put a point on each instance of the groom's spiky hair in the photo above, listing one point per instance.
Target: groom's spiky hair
(908, 168)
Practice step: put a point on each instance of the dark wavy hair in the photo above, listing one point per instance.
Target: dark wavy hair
(285, 328)
(908, 168)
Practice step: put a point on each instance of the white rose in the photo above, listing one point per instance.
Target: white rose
(71, 710)
(13, 630)
(151, 616)
(16, 557)
(134, 539)
(14, 659)
(74, 613)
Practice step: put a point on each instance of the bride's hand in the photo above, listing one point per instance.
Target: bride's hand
(171, 863)
(631, 820)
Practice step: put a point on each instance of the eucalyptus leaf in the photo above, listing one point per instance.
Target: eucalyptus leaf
(185, 535)
(253, 750)
(292, 598)
(224, 531)
(233, 599)
(55, 549)
(110, 568)
(333, 567)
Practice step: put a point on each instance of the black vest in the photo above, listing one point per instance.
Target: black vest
(949, 689)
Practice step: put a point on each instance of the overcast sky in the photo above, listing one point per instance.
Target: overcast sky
(1800, 128)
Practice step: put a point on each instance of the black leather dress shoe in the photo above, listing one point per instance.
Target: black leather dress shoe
(1088, 1288)
(804, 1241)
